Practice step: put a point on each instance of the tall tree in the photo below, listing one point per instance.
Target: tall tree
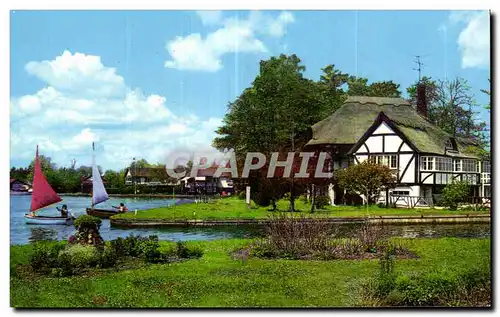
(451, 107)
(273, 115)
(357, 86)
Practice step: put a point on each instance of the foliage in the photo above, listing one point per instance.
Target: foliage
(366, 179)
(433, 288)
(455, 193)
(183, 251)
(242, 195)
(44, 256)
(321, 201)
(87, 221)
(450, 106)
(81, 256)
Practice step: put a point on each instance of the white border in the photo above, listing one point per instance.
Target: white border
(7, 5)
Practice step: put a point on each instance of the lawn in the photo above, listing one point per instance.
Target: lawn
(234, 208)
(217, 280)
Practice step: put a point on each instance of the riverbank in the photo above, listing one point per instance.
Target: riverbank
(403, 220)
(233, 211)
(217, 279)
(163, 196)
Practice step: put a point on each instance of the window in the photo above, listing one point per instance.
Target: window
(486, 167)
(469, 166)
(444, 164)
(458, 166)
(388, 160)
(486, 178)
(427, 163)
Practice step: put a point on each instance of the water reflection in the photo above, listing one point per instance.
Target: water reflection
(42, 234)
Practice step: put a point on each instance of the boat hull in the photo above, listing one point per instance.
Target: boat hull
(15, 193)
(101, 213)
(38, 220)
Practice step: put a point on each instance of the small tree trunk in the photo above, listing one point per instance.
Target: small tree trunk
(313, 200)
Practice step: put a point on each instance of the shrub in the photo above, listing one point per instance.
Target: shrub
(370, 235)
(185, 252)
(303, 198)
(108, 258)
(455, 193)
(291, 237)
(81, 256)
(44, 255)
(88, 222)
(321, 202)
(242, 195)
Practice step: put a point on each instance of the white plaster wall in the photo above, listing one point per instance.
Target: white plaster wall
(392, 143)
(409, 176)
(383, 128)
(361, 158)
(406, 148)
(374, 144)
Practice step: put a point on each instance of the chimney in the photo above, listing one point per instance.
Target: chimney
(421, 100)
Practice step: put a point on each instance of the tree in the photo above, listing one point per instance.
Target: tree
(46, 165)
(358, 86)
(487, 91)
(455, 193)
(114, 179)
(273, 115)
(450, 106)
(142, 163)
(366, 179)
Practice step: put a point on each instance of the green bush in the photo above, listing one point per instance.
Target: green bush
(455, 193)
(183, 251)
(321, 202)
(108, 258)
(303, 198)
(81, 256)
(88, 222)
(44, 256)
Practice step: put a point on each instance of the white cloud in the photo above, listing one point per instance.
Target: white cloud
(210, 17)
(78, 73)
(66, 117)
(474, 38)
(194, 52)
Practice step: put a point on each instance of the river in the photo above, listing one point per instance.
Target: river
(22, 233)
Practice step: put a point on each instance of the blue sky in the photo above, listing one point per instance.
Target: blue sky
(142, 83)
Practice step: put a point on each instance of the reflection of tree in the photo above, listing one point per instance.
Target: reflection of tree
(42, 234)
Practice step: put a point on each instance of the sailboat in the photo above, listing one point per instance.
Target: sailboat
(43, 195)
(99, 193)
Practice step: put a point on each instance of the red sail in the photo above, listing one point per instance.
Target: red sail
(43, 195)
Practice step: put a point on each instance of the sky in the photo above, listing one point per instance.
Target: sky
(145, 83)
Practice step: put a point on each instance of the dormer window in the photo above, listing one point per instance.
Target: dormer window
(451, 145)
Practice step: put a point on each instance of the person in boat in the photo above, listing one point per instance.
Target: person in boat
(63, 210)
(122, 208)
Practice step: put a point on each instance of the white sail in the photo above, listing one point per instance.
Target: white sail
(99, 193)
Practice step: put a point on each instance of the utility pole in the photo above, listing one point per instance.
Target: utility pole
(420, 65)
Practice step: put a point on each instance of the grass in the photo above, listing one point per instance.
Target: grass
(234, 208)
(218, 280)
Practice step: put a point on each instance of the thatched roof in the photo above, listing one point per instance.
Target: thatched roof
(350, 122)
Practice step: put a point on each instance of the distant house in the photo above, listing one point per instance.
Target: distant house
(150, 176)
(86, 184)
(19, 186)
(205, 182)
